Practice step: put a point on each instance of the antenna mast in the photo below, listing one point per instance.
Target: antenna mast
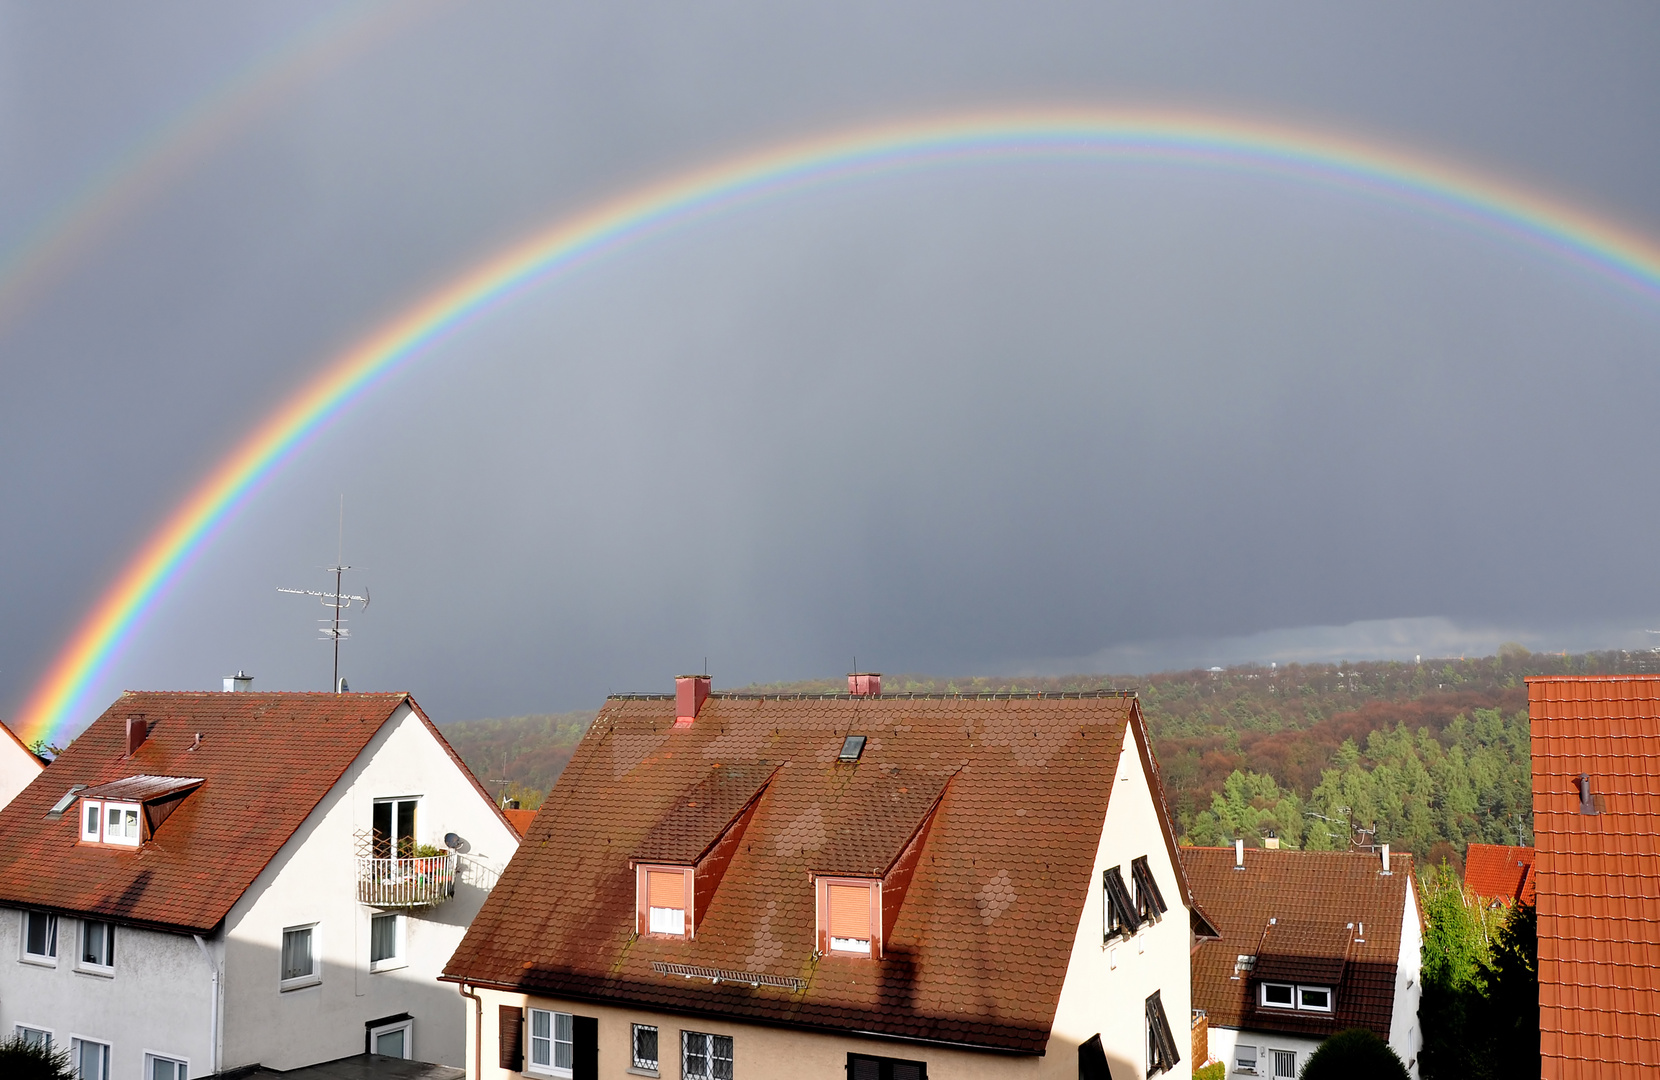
(339, 600)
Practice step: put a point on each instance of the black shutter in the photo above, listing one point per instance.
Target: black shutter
(1161, 1043)
(584, 1048)
(867, 1067)
(511, 1038)
(1149, 900)
(1092, 1060)
(1119, 897)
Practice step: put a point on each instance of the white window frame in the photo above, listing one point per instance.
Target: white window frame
(92, 809)
(46, 959)
(151, 1057)
(408, 1029)
(400, 954)
(1304, 1006)
(81, 962)
(75, 1044)
(1296, 1002)
(552, 1039)
(312, 978)
(19, 1030)
(1276, 1074)
(1240, 1064)
(132, 823)
(639, 1064)
(708, 1053)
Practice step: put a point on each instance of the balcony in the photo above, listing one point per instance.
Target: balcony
(405, 883)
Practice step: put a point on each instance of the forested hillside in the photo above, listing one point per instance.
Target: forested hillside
(1434, 755)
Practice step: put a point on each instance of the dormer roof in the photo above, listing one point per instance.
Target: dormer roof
(697, 820)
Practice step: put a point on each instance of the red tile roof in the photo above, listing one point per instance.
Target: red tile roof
(982, 942)
(1300, 914)
(1598, 874)
(1500, 872)
(275, 753)
(520, 820)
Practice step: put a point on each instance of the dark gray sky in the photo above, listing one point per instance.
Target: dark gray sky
(1018, 417)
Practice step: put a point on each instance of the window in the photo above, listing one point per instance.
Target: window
(1121, 918)
(97, 944)
(645, 1047)
(666, 901)
(92, 816)
(386, 942)
(157, 1067)
(40, 936)
(1285, 1065)
(865, 1067)
(1162, 1055)
(34, 1036)
(1289, 996)
(852, 748)
(90, 1059)
(394, 828)
(1245, 1059)
(121, 823)
(1149, 901)
(299, 957)
(705, 1057)
(550, 1042)
(848, 917)
(394, 1038)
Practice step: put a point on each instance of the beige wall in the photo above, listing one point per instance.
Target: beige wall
(18, 768)
(1104, 993)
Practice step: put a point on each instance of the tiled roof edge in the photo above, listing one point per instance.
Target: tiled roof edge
(931, 696)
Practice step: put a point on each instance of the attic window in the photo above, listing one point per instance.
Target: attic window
(1149, 901)
(664, 900)
(1290, 996)
(110, 822)
(849, 916)
(852, 747)
(1121, 917)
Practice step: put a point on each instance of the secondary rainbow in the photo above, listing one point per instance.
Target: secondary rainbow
(1168, 137)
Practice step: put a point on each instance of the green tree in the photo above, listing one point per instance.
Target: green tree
(1513, 994)
(1249, 806)
(1355, 1054)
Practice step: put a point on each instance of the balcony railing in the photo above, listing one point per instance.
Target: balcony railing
(405, 883)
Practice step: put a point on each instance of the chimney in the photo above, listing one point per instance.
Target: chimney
(1271, 841)
(137, 729)
(690, 692)
(239, 682)
(1386, 858)
(1239, 854)
(865, 684)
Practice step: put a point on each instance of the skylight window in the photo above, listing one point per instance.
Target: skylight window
(852, 747)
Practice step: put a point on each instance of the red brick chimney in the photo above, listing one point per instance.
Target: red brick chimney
(690, 692)
(137, 729)
(865, 684)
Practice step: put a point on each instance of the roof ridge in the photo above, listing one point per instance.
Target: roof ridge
(738, 695)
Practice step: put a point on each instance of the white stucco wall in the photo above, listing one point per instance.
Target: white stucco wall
(312, 880)
(18, 767)
(1105, 991)
(1223, 1042)
(157, 1000)
(1405, 1029)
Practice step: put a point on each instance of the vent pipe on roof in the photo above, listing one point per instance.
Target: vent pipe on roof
(239, 682)
(865, 683)
(1587, 800)
(1239, 854)
(1385, 858)
(137, 729)
(690, 692)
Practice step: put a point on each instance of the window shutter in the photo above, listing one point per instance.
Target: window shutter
(666, 889)
(584, 1048)
(1149, 900)
(1092, 1060)
(1161, 1042)
(510, 1038)
(1119, 898)
(849, 911)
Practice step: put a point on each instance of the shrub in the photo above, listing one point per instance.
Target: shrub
(21, 1061)
(1216, 1070)
(1355, 1054)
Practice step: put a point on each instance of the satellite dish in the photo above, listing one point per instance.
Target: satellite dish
(454, 842)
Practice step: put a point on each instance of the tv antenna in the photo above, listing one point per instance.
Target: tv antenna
(338, 601)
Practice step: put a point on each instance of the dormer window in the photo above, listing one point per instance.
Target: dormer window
(110, 822)
(92, 821)
(664, 900)
(127, 812)
(1275, 995)
(849, 915)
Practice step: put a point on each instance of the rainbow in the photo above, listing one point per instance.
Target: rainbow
(1162, 137)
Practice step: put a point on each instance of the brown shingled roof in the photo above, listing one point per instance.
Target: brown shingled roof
(277, 753)
(1598, 874)
(1500, 872)
(1300, 914)
(982, 941)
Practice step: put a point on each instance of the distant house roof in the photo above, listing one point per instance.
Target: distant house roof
(1328, 918)
(264, 762)
(519, 819)
(1596, 820)
(1017, 786)
(1500, 872)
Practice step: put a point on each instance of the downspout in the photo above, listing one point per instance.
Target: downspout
(213, 1008)
(478, 1031)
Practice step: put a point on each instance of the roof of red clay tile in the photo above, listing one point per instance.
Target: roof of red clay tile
(982, 942)
(1500, 872)
(1597, 875)
(520, 820)
(1312, 898)
(277, 753)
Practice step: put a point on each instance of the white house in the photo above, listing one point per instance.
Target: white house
(1313, 942)
(735, 886)
(18, 765)
(202, 881)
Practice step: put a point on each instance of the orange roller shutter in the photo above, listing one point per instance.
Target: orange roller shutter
(666, 889)
(849, 911)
